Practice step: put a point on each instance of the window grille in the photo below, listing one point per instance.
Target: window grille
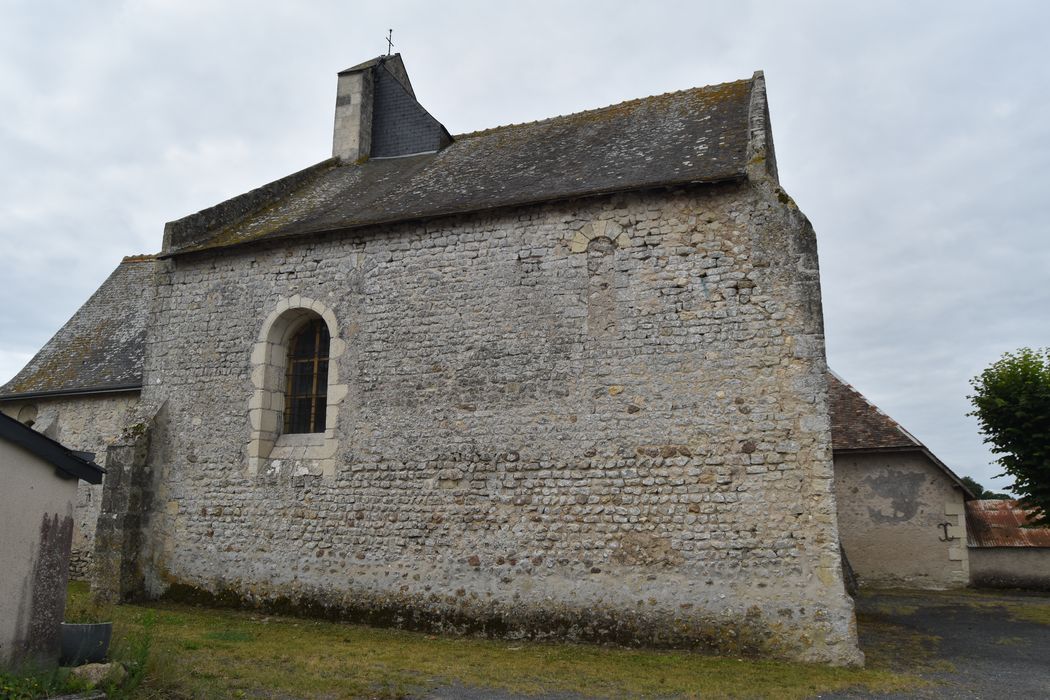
(306, 382)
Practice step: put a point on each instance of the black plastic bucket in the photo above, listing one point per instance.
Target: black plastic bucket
(85, 644)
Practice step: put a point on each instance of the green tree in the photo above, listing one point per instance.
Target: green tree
(1011, 401)
(980, 491)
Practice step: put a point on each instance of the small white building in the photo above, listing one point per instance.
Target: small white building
(901, 510)
(39, 489)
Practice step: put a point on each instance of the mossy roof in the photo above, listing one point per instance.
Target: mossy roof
(101, 347)
(693, 136)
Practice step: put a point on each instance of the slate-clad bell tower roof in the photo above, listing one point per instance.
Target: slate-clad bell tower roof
(100, 349)
(713, 134)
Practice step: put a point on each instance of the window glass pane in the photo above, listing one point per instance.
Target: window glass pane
(306, 385)
(301, 415)
(319, 414)
(323, 347)
(322, 377)
(302, 378)
(306, 341)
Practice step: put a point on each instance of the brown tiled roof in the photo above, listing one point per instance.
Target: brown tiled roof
(101, 347)
(1000, 523)
(693, 136)
(858, 424)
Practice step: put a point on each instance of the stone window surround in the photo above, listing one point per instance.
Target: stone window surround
(602, 228)
(315, 451)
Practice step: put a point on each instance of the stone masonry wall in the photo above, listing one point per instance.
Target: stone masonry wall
(603, 419)
(86, 423)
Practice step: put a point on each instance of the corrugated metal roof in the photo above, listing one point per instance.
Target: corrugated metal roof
(1000, 523)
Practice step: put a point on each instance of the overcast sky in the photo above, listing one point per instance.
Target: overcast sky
(914, 135)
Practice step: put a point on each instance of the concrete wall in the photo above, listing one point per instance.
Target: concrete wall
(37, 509)
(1010, 567)
(604, 419)
(86, 423)
(890, 506)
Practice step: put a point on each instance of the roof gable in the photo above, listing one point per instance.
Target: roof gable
(858, 425)
(101, 347)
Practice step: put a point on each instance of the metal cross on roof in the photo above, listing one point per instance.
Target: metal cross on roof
(389, 41)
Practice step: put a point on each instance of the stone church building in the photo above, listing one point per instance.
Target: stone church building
(563, 379)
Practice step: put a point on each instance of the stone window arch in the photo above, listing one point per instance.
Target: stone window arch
(598, 242)
(275, 445)
(27, 415)
(602, 228)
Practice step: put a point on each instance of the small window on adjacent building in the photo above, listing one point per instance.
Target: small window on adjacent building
(27, 415)
(306, 383)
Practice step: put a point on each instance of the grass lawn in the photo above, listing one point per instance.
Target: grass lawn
(199, 652)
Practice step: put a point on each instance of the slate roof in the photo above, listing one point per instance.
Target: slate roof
(70, 462)
(693, 136)
(1000, 523)
(101, 347)
(858, 425)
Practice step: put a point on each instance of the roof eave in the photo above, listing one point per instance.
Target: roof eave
(59, 456)
(736, 178)
(120, 389)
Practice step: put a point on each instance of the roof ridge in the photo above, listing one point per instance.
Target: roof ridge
(140, 257)
(593, 110)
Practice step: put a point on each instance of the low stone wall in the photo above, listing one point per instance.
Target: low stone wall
(1010, 567)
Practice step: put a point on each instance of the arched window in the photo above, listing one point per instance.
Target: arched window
(294, 408)
(306, 381)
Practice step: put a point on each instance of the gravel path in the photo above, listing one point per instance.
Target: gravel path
(972, 645)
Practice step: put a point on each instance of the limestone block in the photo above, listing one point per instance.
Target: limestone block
(336, 393)
(260, 353)
(333, 324)
(260, 400)
(259, 376)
